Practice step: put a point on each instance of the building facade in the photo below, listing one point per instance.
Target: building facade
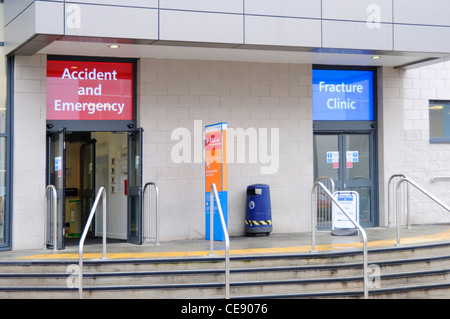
(263, 67)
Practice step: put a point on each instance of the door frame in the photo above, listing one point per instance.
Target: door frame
(134, 187)
(356, 127)
(60, 191)
(132, 191)
(88, 195)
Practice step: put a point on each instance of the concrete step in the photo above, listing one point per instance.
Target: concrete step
(321, 275)
(337, 270)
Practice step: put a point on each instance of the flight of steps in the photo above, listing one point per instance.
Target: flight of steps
(405, 272)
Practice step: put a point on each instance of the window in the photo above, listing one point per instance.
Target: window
(439, 117)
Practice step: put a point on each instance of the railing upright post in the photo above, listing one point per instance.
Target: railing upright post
(362, 232)
(214, 195)
(156, 209)
(101, 193)
(421, 189)
(52, 188)
(211, 221)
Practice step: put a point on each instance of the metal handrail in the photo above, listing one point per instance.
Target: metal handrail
(213, 194)
(361, 231)
(389, 196)
(439, 178)
(55, 214)
(101, 193)
(331, 181)
(425, 192)
(157, 207)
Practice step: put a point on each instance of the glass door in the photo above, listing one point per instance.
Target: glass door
(349, 159)
(56, 169)
(134, 187)
(358, 173)
(88, 182)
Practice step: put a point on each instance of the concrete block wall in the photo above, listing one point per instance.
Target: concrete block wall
(405, 137)
(29, 152)
(181, 94)
(189, 94)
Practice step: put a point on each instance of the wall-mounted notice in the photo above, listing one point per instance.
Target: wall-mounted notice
(333, 158)
(216, 172)
(87, 90)
(352, 157)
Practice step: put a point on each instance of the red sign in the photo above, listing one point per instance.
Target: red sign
(82, 90)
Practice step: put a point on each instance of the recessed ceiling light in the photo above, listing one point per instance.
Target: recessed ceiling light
(114, 46)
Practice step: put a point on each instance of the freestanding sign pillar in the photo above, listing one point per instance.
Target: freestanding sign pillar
(216, 172)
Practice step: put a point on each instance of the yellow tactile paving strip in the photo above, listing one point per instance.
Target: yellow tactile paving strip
(441, 236)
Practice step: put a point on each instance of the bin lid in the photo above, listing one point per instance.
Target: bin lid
(257, 186)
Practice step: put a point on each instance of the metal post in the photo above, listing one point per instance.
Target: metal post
(421, 189)
(55, 214)
(213, 194)
(361, 232)
(389, 196)
(314, 210)
(156, 209)
(211, 222)
(101, 193)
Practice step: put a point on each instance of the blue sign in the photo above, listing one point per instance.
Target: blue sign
(342, 95)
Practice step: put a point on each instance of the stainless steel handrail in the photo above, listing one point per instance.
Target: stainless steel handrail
(389, 195)
(213, 194)
(314, 221)
(55, 214)
(361, 231)
(101, 193)
(425, 192)
(439, 178)
(157, 208)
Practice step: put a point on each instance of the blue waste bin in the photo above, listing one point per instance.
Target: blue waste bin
(258, 216)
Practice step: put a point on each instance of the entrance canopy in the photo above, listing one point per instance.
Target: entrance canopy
(401, 33)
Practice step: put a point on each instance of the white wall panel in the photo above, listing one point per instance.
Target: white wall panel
(356, 35)
(282, 31)
(115, 22)
(430, 12)
(229, 6)
(287, 8)
(121, 3)
(44, 25)
(357, 10)
(14, 8)
(200, 27)
(421, 38)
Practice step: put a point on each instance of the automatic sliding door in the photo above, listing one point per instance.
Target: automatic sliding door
(88, 182)
(359, 173)
(135, 187)
(56, 169)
